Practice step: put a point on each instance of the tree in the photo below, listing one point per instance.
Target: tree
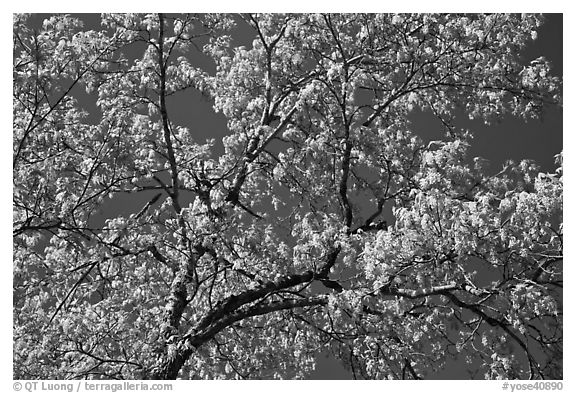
(324, 223)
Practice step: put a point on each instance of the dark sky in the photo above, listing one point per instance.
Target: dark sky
(512, 138)
(509, 138)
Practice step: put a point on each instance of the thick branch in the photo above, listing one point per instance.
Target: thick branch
(164, 116)
(233, 302)
(419, 293)
(343, 186)
(177, 300)
(171, 366)
(228, 311)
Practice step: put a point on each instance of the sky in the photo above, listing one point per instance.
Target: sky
(509, 138)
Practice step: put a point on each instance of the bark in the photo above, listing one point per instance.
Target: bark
(234, 309)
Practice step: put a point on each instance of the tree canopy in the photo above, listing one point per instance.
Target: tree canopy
(321, 221)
